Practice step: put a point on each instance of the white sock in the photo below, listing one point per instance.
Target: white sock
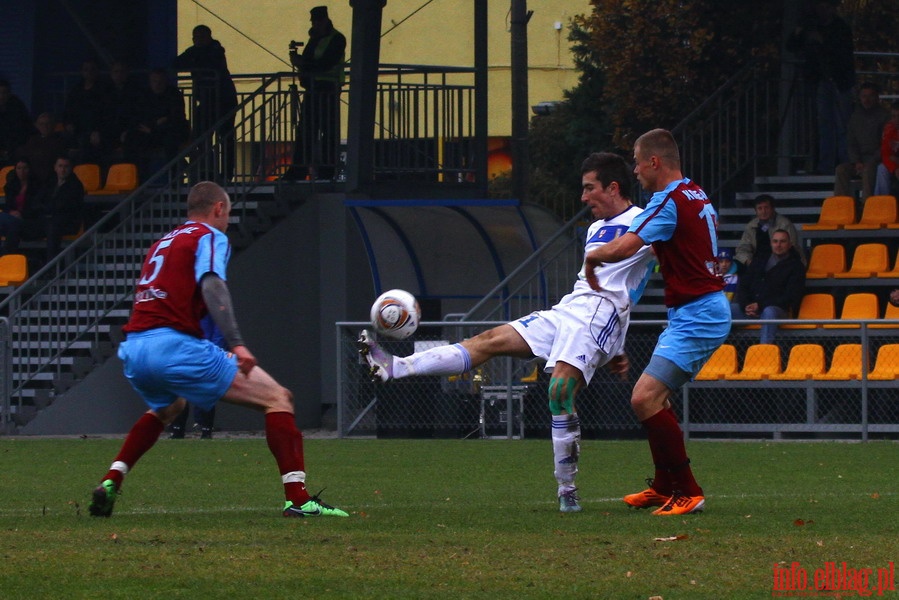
(566, 434)
(442, 360)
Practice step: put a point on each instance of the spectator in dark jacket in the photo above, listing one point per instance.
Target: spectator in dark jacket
(772, 286)
(21, 216)
(63, 204)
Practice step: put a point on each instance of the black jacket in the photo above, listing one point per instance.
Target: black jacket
(783, 285)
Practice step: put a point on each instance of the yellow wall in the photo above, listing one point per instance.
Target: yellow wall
(442, 33)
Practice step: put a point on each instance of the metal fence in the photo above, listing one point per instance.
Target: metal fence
(507, 397)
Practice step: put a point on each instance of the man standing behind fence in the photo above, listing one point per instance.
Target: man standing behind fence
(682, 227)
(581, 333)
(321, 68)
(214, 96)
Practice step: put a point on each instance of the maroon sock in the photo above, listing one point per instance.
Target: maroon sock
(141, 438)
(286, 444)
(666, 442)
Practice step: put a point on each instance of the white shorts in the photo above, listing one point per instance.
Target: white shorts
(585, 331)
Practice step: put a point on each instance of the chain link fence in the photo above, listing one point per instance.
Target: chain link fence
(507, 397)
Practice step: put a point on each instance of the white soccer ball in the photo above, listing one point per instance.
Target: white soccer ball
(395, 314)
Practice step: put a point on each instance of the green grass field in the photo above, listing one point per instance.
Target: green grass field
(436, 519)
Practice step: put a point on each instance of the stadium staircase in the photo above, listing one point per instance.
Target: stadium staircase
(66, 318)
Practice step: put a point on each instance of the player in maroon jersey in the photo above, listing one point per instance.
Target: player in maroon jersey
(681, 225)
(168, 359)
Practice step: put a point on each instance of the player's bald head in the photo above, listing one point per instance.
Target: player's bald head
(204, 196)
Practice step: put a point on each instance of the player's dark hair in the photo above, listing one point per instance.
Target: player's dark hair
(609, 167)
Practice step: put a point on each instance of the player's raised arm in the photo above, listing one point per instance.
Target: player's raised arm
(617, 250)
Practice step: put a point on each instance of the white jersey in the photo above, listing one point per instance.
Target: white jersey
(586, 328)
(622, 282)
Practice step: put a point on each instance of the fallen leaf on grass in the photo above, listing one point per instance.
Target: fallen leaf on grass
(673, 538)
(800, 522)
(875, 496)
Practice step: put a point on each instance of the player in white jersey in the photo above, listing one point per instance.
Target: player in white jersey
(581, 333)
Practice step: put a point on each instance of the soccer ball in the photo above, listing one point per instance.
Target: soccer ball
(395, 314)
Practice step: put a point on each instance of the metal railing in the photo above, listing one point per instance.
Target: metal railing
(507, 397)
(762, 121)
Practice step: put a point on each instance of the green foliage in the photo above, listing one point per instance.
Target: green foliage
(435, 519)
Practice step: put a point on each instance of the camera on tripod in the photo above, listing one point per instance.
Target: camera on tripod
(294, 45)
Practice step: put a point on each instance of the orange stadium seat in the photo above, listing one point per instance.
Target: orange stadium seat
(886, 366)
(826, 259)
(4, 173)
(761, 361)
(891, 313)
(13, 269)
(89, 175)
(879, 212)
(805, 362)
(867, 261)
(894, 272)
(120, 178)
(721, 363)
(861, 305)
(836, 211)
(846, 364)
(814, 307)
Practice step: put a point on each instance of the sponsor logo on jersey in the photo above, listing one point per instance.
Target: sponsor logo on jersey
(151, 293)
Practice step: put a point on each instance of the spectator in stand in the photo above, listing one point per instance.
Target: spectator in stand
(756, 236)
(727, 268)
(888, 170)
(86, 111)
(43, 146)
(161, 126)
(772, 286)
(21, 216)
(214, 96)
(865, 130)
(15, 122)
(824, 41)
(124, 97)
(63, 205)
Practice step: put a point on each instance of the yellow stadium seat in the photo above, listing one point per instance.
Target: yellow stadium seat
(13, 269)
(826, 259)
(120, 178)
(886, 366)
(890, 312)
(879, 212)
(721, 363)
(89, 175)
(845, 365)
(761, 361)
(836, 211)
(861, 305)
(805, 362)
(894, 272)
(814, 307)
(867, 261)
(4, 173)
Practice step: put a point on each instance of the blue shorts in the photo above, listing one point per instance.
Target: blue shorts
(695, 330)
(164, 364)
